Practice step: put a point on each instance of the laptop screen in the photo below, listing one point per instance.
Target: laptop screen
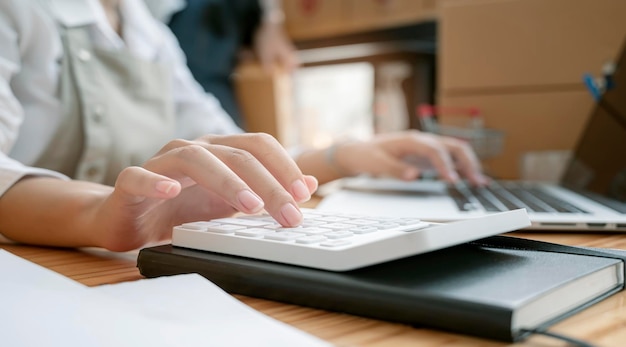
(598, 164)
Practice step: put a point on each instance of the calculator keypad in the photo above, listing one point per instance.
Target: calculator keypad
(318, 228)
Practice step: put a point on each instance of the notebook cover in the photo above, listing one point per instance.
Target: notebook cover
(470, 289)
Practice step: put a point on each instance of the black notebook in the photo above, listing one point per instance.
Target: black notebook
(501, 288)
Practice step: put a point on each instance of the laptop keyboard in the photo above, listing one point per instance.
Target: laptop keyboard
(506, 196)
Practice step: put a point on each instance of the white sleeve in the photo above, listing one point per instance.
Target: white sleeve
(12, 171)
(11, 112)
(13, 40)
(198, 113)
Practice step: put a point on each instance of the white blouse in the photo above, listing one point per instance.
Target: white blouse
(30, 53)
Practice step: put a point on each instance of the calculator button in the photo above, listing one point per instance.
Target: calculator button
(202, 226)
(252, 232)
(309, 213)
(364, 229)
(387, 225)
(283, 236)
(332, 219)
(338, 226)
(338, 234)
(310, 239)
(242, 221)
(315, 231)
(263, 217)
(282, 229)
(362, 222)
(224, 228)
(312, 223)
(335, 243)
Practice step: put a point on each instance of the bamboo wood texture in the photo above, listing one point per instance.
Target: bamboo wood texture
(602, 324)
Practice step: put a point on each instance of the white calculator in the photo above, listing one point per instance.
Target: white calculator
(338, 241)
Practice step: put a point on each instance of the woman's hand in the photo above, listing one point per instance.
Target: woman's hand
(212, 177)
(274, 48)
(407, 154)
(404, 155)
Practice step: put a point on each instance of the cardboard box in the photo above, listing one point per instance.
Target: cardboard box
(522, 62)
(314, 19)
(265, 100)
(375, 14)
(511, 45)
(307, 19)
(531, 122)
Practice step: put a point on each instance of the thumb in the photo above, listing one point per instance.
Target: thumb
(135, 184)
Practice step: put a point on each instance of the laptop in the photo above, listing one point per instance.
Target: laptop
(590, 195)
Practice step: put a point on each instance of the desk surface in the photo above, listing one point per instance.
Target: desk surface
(602, 324)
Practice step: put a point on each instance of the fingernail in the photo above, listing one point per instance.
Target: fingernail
(165, 186)
(410, 173)
(291, 215)
(482, 180)
(250, 201)
(300, 191)
(454, 176)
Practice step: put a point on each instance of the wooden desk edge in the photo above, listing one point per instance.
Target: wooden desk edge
(600, 323)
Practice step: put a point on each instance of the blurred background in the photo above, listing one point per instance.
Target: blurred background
(508, 74)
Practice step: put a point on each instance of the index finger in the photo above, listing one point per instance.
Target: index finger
(267, 150)
(466, 160)
(431, 147)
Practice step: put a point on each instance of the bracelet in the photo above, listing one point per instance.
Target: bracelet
(332, 162)
(272, 11)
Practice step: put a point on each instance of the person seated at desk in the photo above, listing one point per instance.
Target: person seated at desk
(215, 36)
(107, 140)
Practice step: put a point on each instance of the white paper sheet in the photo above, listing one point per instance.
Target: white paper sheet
(39, 307)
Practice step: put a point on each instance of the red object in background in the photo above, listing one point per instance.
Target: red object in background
(309, 6)
(464, 123)
(426, 110)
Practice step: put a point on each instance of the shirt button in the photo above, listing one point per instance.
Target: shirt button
(84, 55)
(98, 113)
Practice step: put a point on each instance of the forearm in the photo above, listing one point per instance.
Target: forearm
(49, 211)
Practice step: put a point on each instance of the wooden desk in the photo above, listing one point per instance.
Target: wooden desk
(602, 324)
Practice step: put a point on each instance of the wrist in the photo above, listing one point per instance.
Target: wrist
(335, 158)
(53, 212)
(331, 159)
